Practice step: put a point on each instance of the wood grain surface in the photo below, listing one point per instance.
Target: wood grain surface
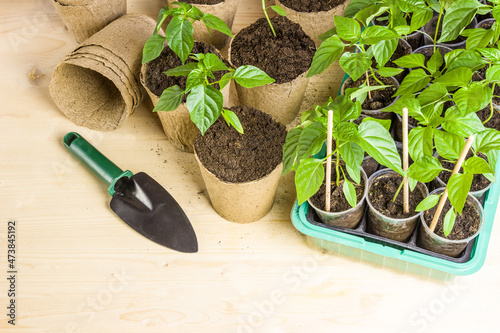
(81, 269)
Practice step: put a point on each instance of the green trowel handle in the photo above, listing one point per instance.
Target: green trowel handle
(99, 164)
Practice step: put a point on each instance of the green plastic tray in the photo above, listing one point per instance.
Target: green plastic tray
(382, 253)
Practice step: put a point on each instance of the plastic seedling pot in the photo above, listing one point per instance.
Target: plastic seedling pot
(348, 218)
(435, 243)
(399, 229)
(408, 257)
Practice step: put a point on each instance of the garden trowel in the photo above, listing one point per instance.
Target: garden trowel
(138, 199)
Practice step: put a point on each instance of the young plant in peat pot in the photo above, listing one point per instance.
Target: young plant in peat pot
(343, 203)
(188, 88)
(284, 51)
(223, 9)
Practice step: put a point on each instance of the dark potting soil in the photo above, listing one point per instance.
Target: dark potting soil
(338, 202)
(494, 122)
(238, 158)
(480, 75)
(485, 24)
(465, 225)
(203, 2)
(383, 190)
(283, 57)
(380, 98)
(478, 181)
(310, 6)
(157, 80)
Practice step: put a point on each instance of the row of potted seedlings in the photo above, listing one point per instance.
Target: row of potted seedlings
(449, 96)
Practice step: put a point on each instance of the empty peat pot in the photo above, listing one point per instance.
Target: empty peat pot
(315, 20)
(286, 58)
(224, 9)
(349, 218)
(382, 187)
(381, 99)
(241, 172)
(467, 227)
(177, 124)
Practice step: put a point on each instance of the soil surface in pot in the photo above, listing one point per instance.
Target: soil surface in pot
(465, 226)
(157, 80)
(312, 5)
(383, 190)
(203, 2)
(238, 158)
(485, 25)
(338, 202)
(283, 57)
(430, 28)
(480, 75)
(494, 122)
(478, 182)
(380, 98)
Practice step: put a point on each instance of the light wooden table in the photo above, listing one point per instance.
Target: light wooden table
(81, 269)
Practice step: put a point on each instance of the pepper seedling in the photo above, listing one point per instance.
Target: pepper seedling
(179, 31)
(277, 9)
(204, 101)
(350, 141)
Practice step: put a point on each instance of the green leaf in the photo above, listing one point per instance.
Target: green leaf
(349, 193)
(383, 51)
(170, 99)
(457, 17)
(433, 94)
(364, 90)
(205, 106)
(479, 38)
(225, 79)
(347, 28)
(464, 125)
(326, 54)
(473, 97)
(415, 81)
(213, 22)
(366, 15)
(457, 77)
(449, 221)
(182, 70)
(352, 154)
(420, 18)
(493, 74)
(278, 10)
(458, 189)
(344, 109)
(291, 150)
(308, 178)
(232, 120)
(355, 64)
(448, 145)
(406, 101)
(195, 78)
(384, 122)
(491, 54)
(179, 35)
(194, 13)
(214, 63)
(435, 62)
(413, 60)
(311, 140)
(428, 203)
(162, 15)
(411, 5)
(420, 142)
(183, 5)
(389, 71)
(355, 6)
(250, 76)
(425, 169)
(486, 141)
(327, 34)
(346, 131)
(492, 157)
(152, 48)
(467, 58)
(378, 143)
(477, 165)
(377, 33)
